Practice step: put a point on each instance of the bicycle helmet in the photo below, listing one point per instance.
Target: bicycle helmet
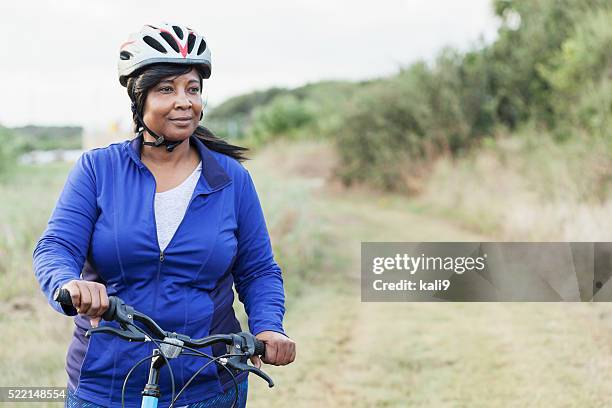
(166, 43)
(169, 43)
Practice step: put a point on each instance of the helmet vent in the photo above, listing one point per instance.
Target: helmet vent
(153, 43)
(178, 31)
(171, 42)
(124, 55)
(202, 47)
(190, 42)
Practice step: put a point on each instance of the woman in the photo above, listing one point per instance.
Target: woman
(168, 221)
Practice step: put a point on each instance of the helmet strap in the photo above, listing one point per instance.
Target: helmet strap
(159, 140)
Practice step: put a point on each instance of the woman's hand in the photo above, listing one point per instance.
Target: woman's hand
(280, 349)
(89, 299)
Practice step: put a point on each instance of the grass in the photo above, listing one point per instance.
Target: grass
(37, 336)
(350, 353)
(28, 196)
(528, 187)
(419, 354)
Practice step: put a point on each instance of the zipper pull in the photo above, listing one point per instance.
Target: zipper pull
(161, 256)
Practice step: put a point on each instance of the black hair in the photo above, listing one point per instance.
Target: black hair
(138, 86)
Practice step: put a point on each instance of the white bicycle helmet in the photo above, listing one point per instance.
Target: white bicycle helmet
(170, 43)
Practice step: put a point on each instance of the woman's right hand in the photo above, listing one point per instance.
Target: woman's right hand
(89, 299)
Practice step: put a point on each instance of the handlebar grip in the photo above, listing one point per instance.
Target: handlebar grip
(63, 296)
(260, 347)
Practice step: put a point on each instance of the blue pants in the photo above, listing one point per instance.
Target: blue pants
(220, 401)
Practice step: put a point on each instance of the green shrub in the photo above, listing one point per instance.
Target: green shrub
(580, 73)
(283, 116)
(393, 128)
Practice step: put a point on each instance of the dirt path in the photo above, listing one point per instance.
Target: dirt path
(354, 354)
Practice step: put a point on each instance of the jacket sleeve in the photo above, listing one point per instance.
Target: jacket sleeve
(257, 276)
(60, 252)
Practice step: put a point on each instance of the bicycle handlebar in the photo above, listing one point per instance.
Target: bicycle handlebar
(125, 315)
(240, 346)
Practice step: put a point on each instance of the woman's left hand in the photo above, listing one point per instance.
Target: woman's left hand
(280, 349)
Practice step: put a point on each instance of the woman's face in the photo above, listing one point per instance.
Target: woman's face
(174, 105)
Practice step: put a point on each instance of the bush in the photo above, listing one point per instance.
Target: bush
(580, 74)
(550, 67)
(392, 129)
(232, 118)
(250, 114)
(524, 91)
(283, 116)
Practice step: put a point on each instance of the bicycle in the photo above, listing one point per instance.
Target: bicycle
(240, 347)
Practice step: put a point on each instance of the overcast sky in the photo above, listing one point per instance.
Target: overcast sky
(59, 57)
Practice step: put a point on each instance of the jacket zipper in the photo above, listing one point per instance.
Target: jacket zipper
(161, 253)
(162, 257)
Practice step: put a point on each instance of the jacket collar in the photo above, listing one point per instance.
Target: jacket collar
(213, 176)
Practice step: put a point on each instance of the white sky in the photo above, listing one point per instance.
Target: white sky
(59, 57)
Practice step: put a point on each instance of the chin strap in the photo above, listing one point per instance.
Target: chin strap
(159, 140)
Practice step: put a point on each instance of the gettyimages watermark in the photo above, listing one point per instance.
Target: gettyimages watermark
(486, 271)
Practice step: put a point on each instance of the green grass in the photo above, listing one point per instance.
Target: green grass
(34, 336)
(350, 353)
(28, 196)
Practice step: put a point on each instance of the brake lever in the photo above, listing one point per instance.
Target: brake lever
(243, 347)
(127, 332)
(236, 364)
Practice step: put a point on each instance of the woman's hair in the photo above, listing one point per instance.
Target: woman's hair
(138, 86)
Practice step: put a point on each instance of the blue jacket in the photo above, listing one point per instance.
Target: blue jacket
(103, 228)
